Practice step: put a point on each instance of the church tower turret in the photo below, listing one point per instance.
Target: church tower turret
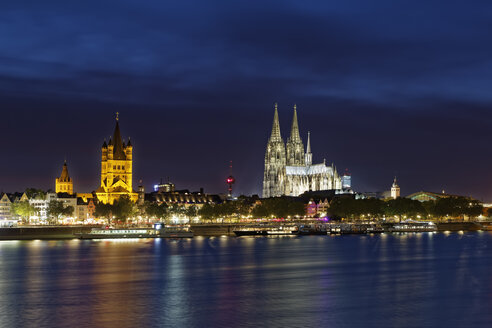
(395, 190)
(64, 183)
(309, 155)
(295, 147)
(273, 178)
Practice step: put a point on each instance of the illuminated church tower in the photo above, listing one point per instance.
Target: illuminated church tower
(64, 183)
(273, 179)
(395, 190)
(295, 147)
(116, 169)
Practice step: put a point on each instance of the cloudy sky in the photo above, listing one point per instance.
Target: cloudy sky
(385, 87)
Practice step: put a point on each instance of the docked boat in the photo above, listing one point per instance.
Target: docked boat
(265, 230)
(354, 228)
(413, 226)
(312, 229)
(158, 231)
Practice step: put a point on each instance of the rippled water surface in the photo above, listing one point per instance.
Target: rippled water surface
(408, 280)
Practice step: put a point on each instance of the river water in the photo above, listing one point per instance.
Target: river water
(406, 280)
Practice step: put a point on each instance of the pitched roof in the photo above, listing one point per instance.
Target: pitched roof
(64, 177)
(118, 150)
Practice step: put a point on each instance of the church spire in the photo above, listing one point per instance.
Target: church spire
(309, 156)
(276, 127)
(119, 152)
(64, 175)
(308, 148)
(294, 131)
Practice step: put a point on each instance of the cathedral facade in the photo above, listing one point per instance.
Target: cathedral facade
(116, 169)
(289, 170)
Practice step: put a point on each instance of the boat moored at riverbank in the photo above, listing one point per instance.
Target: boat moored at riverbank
(157, 231)
(265, 230)
(412, 226)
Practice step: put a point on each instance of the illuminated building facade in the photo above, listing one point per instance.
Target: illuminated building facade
(395, 190)
(185, 198)
(64, 183)
(346, 180)
(289, 170)
(116, 169)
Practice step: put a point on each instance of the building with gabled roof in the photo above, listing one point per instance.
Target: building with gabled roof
(5, 206)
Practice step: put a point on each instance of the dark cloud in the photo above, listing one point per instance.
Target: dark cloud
(385, 88)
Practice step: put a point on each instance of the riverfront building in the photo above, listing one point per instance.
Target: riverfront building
(289, 170)
(116, 169)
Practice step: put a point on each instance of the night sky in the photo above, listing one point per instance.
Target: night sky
(385, 87)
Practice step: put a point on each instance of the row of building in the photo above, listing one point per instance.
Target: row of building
(116, 180)
(83, 208)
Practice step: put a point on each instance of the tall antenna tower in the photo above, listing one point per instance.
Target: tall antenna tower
(230, 181)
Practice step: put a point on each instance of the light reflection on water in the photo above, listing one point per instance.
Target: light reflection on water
(381, 280)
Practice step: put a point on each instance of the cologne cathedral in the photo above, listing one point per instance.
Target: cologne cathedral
(289, 170)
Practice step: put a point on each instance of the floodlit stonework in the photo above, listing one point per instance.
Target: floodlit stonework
(64, 183)
(289, 170)
(116, 169)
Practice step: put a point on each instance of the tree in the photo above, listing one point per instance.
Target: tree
(191, 211)
(123, 208)
(207, 212)
(23, 209)
(296, 209)
(33, 193)
(158, 211)
(279, 207)
(104, 211)
(56, 210)
(260, 211)
(404, 207)
(456, 207)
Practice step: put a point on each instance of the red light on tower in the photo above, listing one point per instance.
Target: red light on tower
(230, 181)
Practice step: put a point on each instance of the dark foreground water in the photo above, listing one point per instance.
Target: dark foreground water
(409, 280)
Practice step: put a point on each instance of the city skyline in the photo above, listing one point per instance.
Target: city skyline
(386, 89)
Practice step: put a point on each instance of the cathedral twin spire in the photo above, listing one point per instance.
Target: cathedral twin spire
(276, 127)
(294, 130)
(294, 147)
